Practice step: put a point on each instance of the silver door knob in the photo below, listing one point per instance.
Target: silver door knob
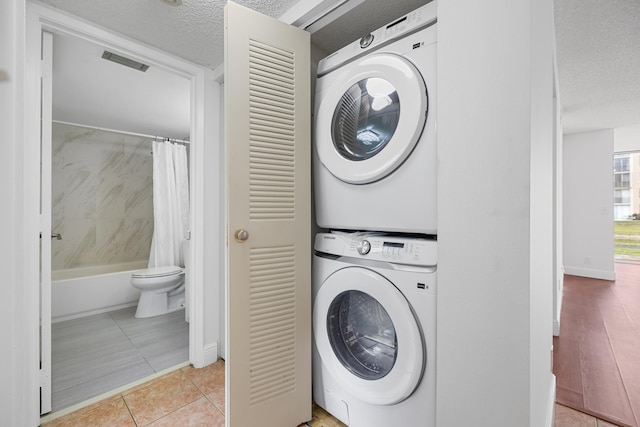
(242, 235)
(57, 236)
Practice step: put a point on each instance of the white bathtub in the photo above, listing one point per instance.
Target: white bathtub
(91, 290)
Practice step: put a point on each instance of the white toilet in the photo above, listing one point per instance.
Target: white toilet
(162, 290)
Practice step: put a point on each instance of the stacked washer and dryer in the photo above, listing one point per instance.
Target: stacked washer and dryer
(374, 273)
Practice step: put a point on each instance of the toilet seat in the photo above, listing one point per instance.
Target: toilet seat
(157, 272)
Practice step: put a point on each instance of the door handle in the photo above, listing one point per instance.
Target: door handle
(241, 235)
(56, 236)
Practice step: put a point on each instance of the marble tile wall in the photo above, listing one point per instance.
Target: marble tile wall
(102, 197)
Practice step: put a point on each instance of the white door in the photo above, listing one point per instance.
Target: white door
(268, 114)
(370, 116)
(367, 336)
(45, 224)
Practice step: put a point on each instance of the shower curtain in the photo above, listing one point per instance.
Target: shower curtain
(170, 204)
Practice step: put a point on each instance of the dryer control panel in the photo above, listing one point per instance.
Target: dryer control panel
(411, 22)
(379, 247)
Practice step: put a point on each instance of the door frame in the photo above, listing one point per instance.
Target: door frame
(203, 90)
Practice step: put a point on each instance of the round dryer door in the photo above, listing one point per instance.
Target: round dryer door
(367, 336)
(370, 117)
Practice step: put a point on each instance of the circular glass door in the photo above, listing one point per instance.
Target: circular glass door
(367, 336)
(370, 117)
(362, 335)
(365, 119)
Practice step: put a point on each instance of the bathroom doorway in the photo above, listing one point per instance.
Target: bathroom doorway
(43, 20)
(105, 116)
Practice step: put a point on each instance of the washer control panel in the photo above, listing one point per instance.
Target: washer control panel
(379, 247)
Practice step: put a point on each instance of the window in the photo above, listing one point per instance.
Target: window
(621, 180)
(621, 163)
(622, 196)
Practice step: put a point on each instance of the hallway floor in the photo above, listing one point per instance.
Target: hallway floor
(596, 355)
(186, 397)
(191, 397)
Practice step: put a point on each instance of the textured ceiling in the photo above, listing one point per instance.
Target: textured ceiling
(193, 30)
(90, 91)
(598, 50)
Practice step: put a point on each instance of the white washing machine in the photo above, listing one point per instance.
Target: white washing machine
(375, 130)
(374, 328)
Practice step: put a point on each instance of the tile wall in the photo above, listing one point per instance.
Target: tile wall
(102, 200)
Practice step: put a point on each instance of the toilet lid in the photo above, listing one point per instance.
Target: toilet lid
(169, 270)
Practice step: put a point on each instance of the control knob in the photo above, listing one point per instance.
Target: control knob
(366, 41)
(363, 247)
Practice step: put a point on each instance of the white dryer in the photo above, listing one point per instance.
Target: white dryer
(374, 329)
(375, 130)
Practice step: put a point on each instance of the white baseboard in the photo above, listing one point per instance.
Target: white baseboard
(593, 274)
(210, 353)
(551, 404)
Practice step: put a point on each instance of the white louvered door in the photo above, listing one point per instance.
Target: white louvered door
(268, 114)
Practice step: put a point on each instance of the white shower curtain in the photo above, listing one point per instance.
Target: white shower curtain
(170, 204)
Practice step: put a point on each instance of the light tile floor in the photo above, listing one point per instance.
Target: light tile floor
(95, 354)
(185, 397)
(195, 397)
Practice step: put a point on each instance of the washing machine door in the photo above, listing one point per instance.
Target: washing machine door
(367, 336)
(370, 116)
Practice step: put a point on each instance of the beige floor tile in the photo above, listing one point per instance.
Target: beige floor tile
(326, 422)
(207, 379)
(567, 417)
(106, 413)
(201, 413)
(161, 397)
(602, 423)
(217, 398)
(322, 418)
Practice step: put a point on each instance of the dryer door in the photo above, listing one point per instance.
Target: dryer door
(368, 337)
(370, 116)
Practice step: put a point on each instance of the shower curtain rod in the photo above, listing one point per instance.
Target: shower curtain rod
(154, 137)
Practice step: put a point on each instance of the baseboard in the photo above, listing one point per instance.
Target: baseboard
(551, 404)
(556, 328)
(593, 274)
(210, 353)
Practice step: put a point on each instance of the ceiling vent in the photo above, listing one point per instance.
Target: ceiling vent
(110, 56)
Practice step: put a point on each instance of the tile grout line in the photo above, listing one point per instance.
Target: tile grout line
(204, 394)
(135, 422)
(622, 378)
(615, 358)
(132, 343)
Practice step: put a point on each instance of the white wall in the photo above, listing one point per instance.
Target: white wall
(19, 352)
(588, 204)
(542, 208)
(8, 252)
(213, 214)
(558, 223)
(626, 138)
(494, 312)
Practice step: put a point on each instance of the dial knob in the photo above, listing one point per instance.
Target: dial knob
(366, 41)
(363, 247)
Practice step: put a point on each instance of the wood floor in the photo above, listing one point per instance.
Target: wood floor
(597, 355)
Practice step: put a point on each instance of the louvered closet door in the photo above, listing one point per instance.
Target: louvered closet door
(267, 100)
